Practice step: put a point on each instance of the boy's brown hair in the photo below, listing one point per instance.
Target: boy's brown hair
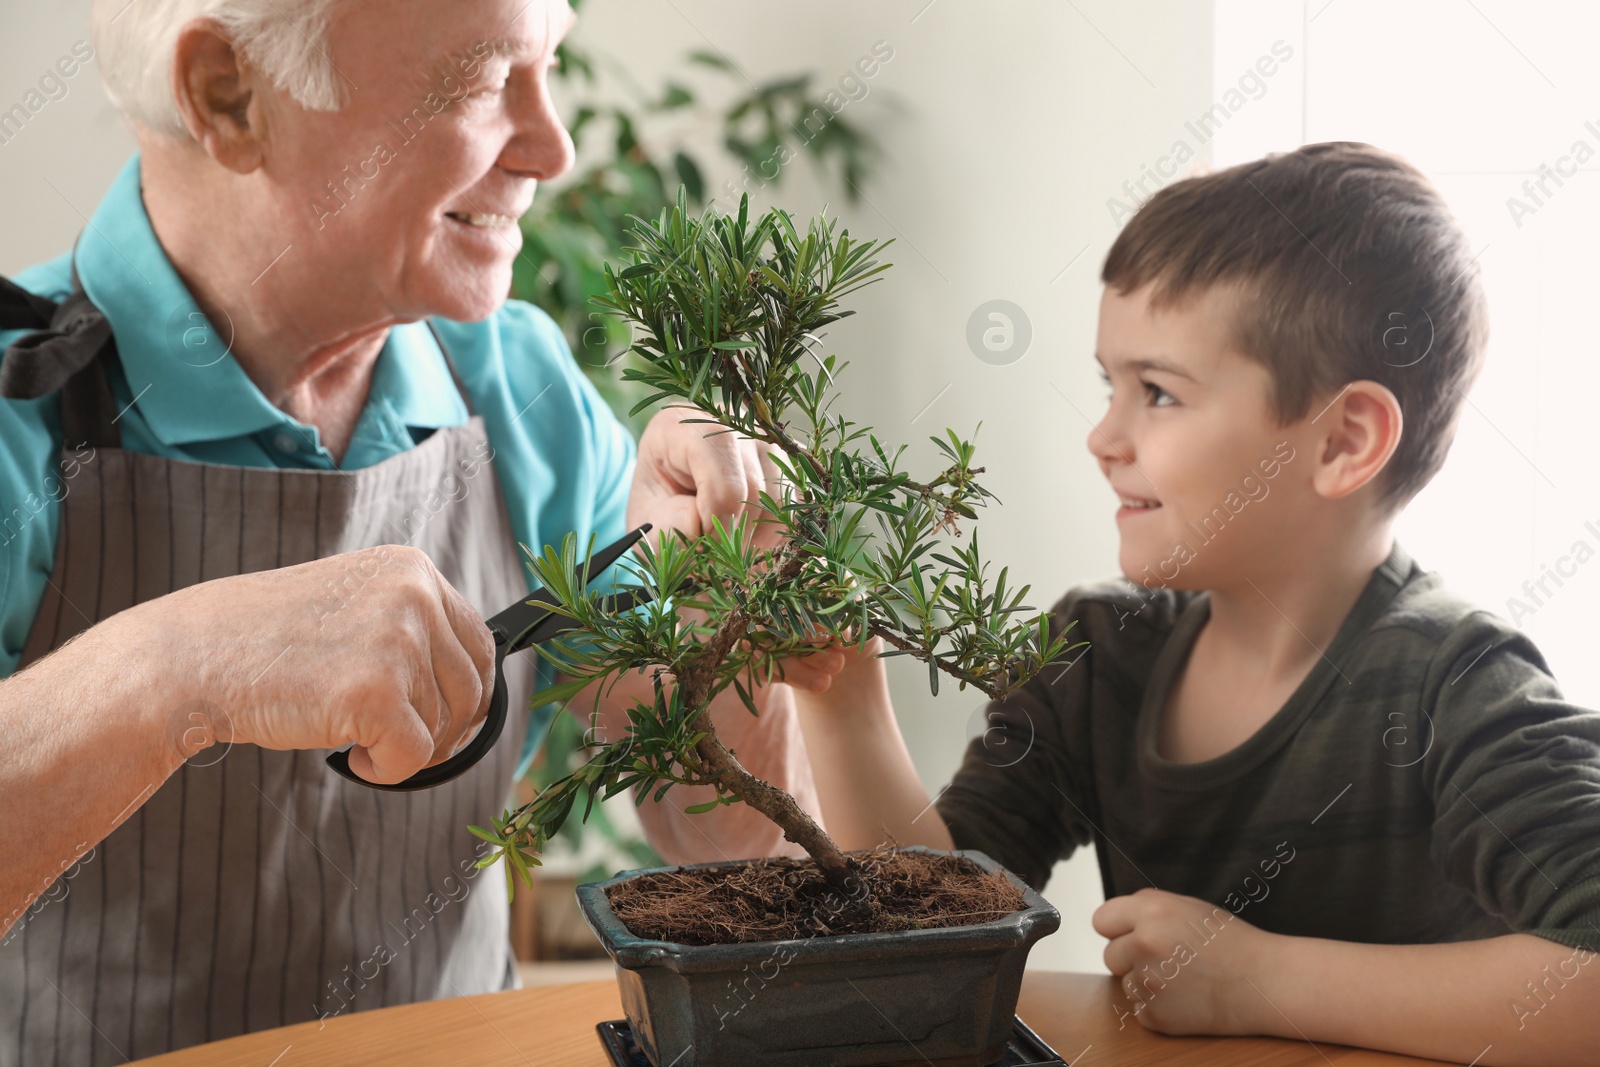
(1349, 266)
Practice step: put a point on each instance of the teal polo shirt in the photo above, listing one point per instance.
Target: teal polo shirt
(563, 460)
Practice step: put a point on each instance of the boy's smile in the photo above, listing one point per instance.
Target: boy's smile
(1188, 441)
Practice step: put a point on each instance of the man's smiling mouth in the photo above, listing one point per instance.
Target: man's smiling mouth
(482, 221)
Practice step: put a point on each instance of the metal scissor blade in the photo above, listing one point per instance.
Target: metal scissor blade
(553, 624)
(517, 625)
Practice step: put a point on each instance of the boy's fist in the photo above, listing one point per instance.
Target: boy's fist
(1186, 965)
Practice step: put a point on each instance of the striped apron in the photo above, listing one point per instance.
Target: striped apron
(257, 888)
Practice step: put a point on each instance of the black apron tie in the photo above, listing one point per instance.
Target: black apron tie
(67, 337)
(68, 353)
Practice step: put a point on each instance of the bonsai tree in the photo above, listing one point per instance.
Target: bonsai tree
(727, 313)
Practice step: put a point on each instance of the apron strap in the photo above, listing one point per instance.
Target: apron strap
(68, 339)
(21, 309)
(89, 411)
(67, 353)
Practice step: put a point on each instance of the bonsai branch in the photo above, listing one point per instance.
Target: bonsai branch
(725, 310)
(994, 692)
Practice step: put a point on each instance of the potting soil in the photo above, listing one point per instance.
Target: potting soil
(781, 899)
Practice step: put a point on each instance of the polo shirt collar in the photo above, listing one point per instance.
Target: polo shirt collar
(412, 377)
(187, 385)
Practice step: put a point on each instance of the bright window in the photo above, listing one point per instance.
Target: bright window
(1483, 95)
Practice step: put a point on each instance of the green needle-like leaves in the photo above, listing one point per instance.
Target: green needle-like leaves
(727, 315)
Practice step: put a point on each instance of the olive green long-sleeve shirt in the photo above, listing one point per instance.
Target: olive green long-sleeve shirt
(1427, 782)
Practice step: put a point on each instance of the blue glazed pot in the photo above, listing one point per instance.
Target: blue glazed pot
(945, 997)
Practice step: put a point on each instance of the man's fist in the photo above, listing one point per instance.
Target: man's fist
(398, 663)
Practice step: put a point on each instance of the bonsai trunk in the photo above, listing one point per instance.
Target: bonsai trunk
(776, 804)
(717, 763)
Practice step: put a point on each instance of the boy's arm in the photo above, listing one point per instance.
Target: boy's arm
(1188, 968)
(1500, 1001)
(870, 791)
(1513, 772)
(1013, 795)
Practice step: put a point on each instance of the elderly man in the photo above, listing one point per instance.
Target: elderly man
(272, 438)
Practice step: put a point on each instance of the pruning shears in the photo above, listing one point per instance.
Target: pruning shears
(521, 626)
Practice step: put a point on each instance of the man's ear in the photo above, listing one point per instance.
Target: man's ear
(1361, 430)
(217, 92)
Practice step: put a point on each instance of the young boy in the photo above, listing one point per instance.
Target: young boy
(1332, 799)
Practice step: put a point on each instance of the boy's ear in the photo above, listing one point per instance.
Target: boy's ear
(1360, 432)
(216, 90)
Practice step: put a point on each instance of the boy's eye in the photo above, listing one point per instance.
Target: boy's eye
(1155, 391)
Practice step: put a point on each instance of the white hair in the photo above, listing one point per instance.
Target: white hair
(285, 39)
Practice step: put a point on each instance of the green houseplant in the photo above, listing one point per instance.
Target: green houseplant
(728, 313)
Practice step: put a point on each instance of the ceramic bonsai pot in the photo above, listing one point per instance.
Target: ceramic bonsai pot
(945, 997)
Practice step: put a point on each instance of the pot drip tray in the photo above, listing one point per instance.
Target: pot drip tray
(1025, 1049)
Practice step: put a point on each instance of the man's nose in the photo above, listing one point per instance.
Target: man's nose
(541, 147)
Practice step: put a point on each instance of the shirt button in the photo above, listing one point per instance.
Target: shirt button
(284, 441)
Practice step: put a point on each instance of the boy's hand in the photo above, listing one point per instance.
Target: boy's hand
(812, 671)
(852, 670)
(815, 672)
(1186, 965)
(870, 791)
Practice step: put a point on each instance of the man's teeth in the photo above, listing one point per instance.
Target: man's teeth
(487, 222)
(1130, 502)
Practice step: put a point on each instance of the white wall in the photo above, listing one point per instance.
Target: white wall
(1503, 89)
(55, 169)
(1014, 125)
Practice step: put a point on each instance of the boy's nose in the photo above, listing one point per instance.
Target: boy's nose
(1107, 445)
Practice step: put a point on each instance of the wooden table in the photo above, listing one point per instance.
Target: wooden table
(553, 1026)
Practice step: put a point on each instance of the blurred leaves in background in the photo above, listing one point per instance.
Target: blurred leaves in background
(634, 151)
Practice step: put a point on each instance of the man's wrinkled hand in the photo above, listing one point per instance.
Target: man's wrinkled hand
(690, 473)
(398, 664)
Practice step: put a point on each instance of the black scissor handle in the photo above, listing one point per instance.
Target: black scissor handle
(462, 761)
(523, 624)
